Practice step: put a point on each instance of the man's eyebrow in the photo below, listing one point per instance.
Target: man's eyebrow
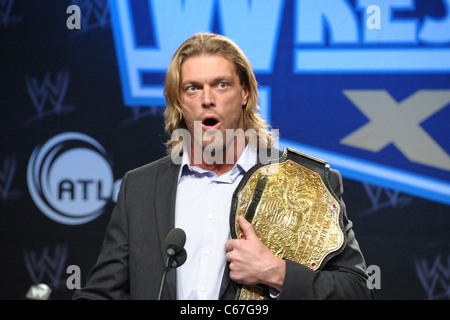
(186, 82)
(228, 78)
(219, 78)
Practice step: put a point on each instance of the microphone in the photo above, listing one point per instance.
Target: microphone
(179, 259)
(175, 241)
(176, 254)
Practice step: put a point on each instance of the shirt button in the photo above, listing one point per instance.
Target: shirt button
(210, 216)
(202, 289)
(206, 252)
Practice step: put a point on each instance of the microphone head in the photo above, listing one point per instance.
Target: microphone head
(179, 259)
(175, 241)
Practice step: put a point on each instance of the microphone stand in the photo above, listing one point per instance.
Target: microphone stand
(163, 278)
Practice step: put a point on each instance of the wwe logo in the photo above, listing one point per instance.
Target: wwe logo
(6, 178)
(53, 267)
(435, 279)
(392, 198)
(5, 14)
(94, 13)
(49, 94)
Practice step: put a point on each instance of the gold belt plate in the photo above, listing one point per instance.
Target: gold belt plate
(296, 217)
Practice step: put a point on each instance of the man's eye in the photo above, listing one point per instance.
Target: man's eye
(222, 85)
(191, 88)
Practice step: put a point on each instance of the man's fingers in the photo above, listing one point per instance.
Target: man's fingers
(247, 228)
(229, 245)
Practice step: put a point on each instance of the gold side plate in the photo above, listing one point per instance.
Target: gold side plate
(297, 218)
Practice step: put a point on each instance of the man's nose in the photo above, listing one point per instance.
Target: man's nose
(208, 100)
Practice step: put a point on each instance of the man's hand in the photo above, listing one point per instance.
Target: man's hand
(251, 262)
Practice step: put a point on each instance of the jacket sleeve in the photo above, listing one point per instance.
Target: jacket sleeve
(342, 277)
(108, 279)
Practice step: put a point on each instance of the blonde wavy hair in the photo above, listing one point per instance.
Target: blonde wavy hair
(211, 44)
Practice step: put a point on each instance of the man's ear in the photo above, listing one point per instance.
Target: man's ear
(245, 95)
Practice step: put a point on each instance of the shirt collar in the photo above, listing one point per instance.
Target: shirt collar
(245, 162)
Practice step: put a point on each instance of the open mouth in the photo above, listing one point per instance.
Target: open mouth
(210, 122)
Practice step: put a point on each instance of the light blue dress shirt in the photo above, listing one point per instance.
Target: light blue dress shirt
(203, 212)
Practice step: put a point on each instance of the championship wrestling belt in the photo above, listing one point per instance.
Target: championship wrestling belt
(292, 209)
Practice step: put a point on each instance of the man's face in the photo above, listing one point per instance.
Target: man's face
(211, 91)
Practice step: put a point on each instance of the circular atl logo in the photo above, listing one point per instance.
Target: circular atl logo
(70, 178)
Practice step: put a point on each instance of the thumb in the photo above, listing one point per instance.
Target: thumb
(247, 228)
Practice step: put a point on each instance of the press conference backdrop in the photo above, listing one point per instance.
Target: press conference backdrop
(363, 84)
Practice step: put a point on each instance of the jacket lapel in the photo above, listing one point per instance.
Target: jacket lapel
(165, 196)
(228, 287)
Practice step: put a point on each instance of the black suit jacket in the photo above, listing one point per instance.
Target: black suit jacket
(132, 258)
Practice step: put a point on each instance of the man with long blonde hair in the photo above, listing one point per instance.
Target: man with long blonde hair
(217, 139)
(212, 44)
